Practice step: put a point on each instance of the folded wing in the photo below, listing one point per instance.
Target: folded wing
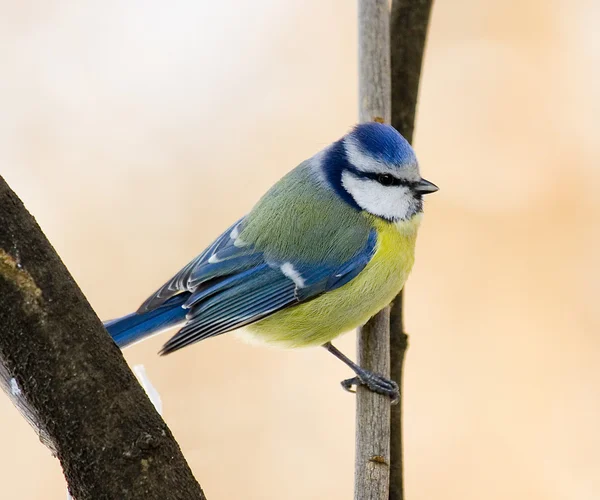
(233, 284)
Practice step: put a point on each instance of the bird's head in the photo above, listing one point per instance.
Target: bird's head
(375, 169)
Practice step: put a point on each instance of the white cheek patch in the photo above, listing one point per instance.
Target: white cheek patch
(390, 202)
(366, 163)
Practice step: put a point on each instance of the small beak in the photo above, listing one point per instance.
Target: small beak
(425, 187)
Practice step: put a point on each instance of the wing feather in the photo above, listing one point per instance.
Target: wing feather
(255, 288)
(179, 282)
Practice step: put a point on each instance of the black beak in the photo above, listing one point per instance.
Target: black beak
(425, 187)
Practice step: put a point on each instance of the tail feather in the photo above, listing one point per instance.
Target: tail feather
(135, 327)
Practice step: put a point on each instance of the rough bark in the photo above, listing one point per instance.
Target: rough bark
(408, 33)
(373, 410)
(111, 442)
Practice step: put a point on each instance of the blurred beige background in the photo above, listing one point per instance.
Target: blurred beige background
(136, 131)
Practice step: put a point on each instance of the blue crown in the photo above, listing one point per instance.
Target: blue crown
(384, 143)
(376, 140)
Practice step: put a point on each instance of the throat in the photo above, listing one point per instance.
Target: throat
(409, 227)
(405, 229)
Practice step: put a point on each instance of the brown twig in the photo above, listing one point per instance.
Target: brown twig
(408, 32)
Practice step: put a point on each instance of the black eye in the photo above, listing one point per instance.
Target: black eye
(386, 179)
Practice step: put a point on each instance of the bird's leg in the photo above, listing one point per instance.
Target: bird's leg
(370, 380)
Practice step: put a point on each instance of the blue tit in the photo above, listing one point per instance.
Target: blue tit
(326, 248)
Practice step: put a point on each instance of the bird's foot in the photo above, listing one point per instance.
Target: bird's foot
(375, 383)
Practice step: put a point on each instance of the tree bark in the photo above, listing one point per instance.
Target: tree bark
(111, 442)
(373, 410)
(408, 32)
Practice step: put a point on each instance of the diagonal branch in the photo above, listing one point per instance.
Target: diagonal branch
(111, 442)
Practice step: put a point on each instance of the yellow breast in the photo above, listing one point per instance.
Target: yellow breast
(324, 318)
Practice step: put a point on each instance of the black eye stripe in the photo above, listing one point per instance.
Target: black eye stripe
(383, 179)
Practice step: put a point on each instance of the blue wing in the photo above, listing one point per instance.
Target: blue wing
(229, 285)
(180, 282)
(232, 284)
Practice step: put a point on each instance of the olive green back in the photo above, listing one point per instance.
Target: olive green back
(300, 219)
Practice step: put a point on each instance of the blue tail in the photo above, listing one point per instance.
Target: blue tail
(135, 327)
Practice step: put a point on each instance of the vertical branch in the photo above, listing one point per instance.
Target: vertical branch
(408, 32)
(374, 83)
(398, 346)
(373, 410)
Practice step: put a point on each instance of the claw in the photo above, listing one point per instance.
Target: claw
(375, 383)
(349, 382)
(370, 380)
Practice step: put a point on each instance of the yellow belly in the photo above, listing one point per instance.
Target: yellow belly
(324, 318)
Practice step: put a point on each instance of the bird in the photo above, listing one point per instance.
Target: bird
(327, 247)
